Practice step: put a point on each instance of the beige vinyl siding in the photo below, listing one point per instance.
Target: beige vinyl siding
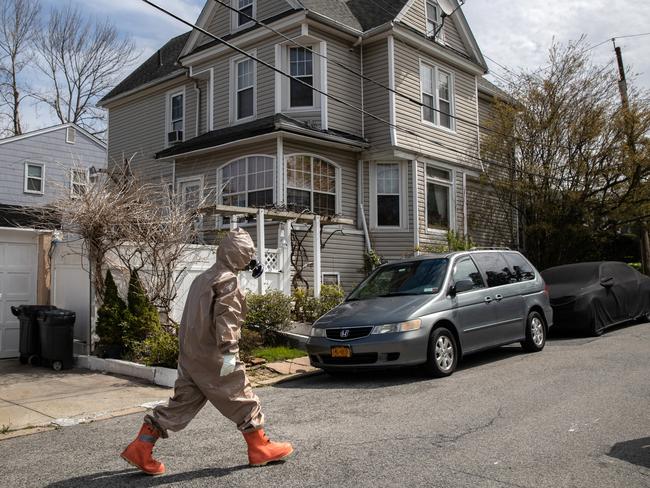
(416, 17)
(485, 113)
(342, 254)
(375, 98)
(346, 160)
(341, 83)
(409, 115)
(137, 130)
(266, 82)
(219, 22)
(191, 107)
(221, 92)
(489, 219)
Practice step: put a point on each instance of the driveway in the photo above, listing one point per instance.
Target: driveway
(574, 415)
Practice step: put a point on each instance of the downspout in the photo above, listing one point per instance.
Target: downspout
(197, 93)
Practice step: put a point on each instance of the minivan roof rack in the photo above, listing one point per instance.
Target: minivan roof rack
(496, 248)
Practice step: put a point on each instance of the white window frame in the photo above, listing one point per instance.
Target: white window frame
(403, 197)
(319, 75)
(70, 135)
(451, 185)
(436, 97)
(73, 183)
(437, 24)
(234, 16)
(234, 61)
(220, 182)
(168, 111)
(337, 175)
(189, 179)
(331, 273)
(27, 177)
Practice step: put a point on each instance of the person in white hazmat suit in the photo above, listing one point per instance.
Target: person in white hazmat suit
(209, 368)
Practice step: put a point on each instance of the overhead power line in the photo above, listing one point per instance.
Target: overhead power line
(343, 102)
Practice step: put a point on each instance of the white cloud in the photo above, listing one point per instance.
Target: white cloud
(519, 33)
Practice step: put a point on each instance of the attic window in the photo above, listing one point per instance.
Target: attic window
(70, 135)
(434, 20)
(245, 10)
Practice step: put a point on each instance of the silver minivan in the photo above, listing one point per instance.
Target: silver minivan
(432, 310)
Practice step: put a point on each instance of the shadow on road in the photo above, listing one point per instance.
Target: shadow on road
(374, 379)
(558, 334)
(131, 477)
(636, 451)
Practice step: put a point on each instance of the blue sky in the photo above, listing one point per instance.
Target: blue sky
(513, 33)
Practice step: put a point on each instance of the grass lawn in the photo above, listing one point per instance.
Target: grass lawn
(272, 354)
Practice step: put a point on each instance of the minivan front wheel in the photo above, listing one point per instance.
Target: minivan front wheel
(442, 356)
(535, 333)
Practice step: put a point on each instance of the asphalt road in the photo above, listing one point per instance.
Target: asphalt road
(577, 414)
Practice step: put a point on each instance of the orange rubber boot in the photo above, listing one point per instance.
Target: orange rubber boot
(262, 451)
(138, 453)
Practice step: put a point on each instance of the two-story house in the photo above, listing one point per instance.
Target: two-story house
(36, 168)
(387, 138)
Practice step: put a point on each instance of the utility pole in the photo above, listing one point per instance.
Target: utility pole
(644, 236)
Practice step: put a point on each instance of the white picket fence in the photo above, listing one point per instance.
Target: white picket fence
(72, 290)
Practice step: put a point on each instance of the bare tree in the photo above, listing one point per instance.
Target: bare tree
(131, 226)
(19, 24)
(82, 59)
(568, 168)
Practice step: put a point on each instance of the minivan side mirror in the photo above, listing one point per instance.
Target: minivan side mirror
(607, 282)
(461, 286)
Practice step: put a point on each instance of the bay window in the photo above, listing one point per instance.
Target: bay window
(437, 93)
(248, 182)
(388, 195)
(439, 192)
(311, 185)
(301, 67)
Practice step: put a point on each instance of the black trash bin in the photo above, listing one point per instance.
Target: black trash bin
(56, 328)
(30, 345)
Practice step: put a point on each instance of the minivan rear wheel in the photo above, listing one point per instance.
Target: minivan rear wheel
(442, 356)
(535, 333)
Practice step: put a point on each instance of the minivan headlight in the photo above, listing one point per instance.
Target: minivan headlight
(317, 332)
(400, 327)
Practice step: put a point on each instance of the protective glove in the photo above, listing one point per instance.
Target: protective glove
(229, 363)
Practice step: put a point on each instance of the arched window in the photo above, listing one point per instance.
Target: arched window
(311, 184)
(248, 182)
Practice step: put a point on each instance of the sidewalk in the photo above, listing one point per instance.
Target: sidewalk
(34, 399)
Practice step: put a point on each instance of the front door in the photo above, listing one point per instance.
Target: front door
(474, 311)
(18, 266)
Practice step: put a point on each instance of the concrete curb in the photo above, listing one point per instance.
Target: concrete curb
(153, 374)
(287, 378)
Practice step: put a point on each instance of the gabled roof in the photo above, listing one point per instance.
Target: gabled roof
(34, 133)
(265, 125)
(358, 15)
(162, 63)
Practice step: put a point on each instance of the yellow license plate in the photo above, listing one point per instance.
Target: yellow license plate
(341, 352)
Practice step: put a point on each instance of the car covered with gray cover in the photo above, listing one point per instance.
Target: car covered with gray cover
(431, 310)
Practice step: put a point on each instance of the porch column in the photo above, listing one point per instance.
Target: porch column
(261, 248)
(285, 244)
(233, 222)
(317, 274)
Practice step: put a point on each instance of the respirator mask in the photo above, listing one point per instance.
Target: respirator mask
(255, 268)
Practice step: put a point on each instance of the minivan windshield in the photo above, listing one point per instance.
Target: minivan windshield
(423, 277)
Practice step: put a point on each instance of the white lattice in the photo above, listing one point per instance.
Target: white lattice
(271, 260)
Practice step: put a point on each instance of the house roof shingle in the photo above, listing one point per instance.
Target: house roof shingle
(265, 125)
(159, 65)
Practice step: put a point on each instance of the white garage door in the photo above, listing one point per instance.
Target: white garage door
(18, 268)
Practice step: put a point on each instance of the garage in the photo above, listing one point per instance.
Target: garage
(18, 282)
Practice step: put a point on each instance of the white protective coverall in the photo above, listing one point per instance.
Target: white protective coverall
(210, 329)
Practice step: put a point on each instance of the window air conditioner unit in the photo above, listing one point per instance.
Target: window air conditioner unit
(175, 136)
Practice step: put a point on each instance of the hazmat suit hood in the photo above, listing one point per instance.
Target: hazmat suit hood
(236, 251)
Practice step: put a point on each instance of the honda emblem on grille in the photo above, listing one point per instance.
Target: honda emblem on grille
(345, 333)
